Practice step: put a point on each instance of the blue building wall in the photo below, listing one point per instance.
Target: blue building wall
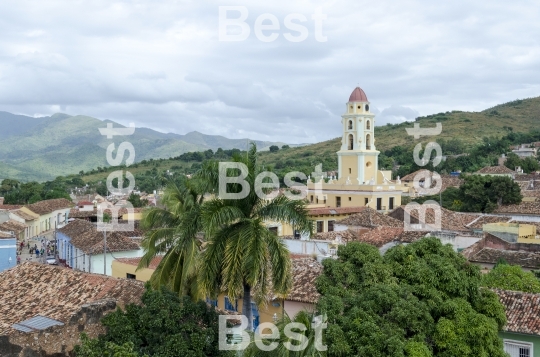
(8, 249)
(65, 249)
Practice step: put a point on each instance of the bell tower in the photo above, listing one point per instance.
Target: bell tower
(358, 157)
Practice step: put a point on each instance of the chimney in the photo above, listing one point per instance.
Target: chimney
(1, 201)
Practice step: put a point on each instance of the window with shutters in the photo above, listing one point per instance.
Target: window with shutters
(331, 226)
(320, 226)
(518, 349)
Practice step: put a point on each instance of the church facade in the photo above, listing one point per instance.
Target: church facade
(359, 181)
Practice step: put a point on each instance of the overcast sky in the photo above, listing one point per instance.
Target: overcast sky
(161, 64)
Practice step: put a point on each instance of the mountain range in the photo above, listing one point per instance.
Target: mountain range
(46, 147)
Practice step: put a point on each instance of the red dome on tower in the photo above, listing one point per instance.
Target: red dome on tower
(358, 95)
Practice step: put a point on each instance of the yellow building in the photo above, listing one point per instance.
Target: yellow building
(359, 181)
(513, 232)
(303, 295)
(324, 219)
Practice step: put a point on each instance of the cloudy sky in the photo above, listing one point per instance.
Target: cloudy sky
(161, 64)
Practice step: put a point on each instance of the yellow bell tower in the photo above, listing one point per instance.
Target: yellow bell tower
(358, 157)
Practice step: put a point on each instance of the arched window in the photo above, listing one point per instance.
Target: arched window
(368, 142)
(351, 142)
(368, 125)
(350, 124)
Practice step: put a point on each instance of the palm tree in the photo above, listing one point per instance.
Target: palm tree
(242, 255)
(313, 345)
(173, 231)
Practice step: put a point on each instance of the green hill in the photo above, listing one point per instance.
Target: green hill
(44, 148)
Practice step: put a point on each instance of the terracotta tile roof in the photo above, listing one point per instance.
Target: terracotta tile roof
(334, 210)
(135, 261)
(447, 180)
(30, 289)
(344, 236)
(23, 215)
(495, 170)
(9, 207)
(478, 224)
(522, 311)
(5, 235)
(75, 213)
(492, 248)
(411, 236)
(522, 208)
(410, 177)
(305, 272)
(380, 236)
(450, 220)
(514, 257)
(369, 217)
(12, 225)
(85, 236)
(527, 177)
(84, 203)
(48, 206)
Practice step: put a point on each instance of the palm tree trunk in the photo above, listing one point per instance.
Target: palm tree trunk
(246, 308)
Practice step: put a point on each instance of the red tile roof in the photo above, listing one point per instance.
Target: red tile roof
(48, 206)
(135, 261)
(495, 170)
(12, 225)
(30, 289)
(85, 236)
(522, 311)
(305, 272)
(9, 207)
(330, 211)
(368, 217)
(84, 203)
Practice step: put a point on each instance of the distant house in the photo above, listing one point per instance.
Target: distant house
(521, 334)
(490, 249)
(81, 247)
(44, 308)
(12, 226)
(85, 206)
(526, 150)
(496, 171)
(53, 214)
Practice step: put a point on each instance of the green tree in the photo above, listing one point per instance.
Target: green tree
(422, 299)
(136, 200)
(242, 255)
(274, 148)
(313, 334)
(172, 230)
(164, 326)
(485, 193)
(511, 277)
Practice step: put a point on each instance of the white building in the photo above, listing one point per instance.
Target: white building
(81, 247)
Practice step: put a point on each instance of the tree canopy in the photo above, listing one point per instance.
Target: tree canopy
(418, 300)
(511, 277)
(164, 326)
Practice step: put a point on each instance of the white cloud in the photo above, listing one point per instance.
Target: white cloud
(160, 64)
